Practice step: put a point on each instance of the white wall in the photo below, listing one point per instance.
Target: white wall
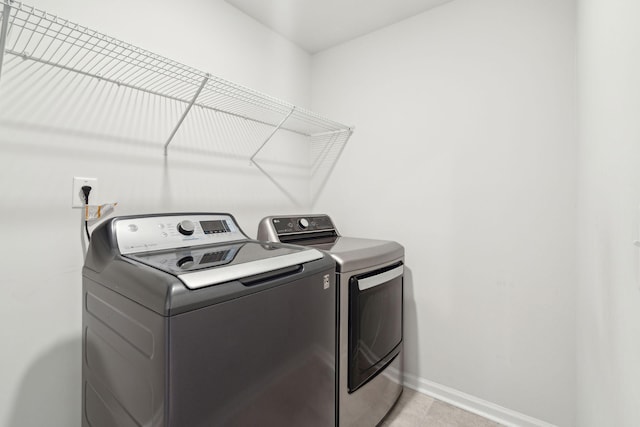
(464, 131)
(608, 345)
(464, 151)
(41, 252)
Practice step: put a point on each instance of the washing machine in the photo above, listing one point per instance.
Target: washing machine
(188, 322)
(369, 277)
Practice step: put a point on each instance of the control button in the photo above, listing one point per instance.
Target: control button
(185, 262)
(303, 223)
(163, 234)
(133, 227)
(186, 227)
(160, 226)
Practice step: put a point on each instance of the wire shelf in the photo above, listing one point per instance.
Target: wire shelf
(35, 35)
(39, 49)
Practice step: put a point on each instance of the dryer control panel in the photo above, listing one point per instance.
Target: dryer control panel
(299, 229)
(151, 233)
(293, 224)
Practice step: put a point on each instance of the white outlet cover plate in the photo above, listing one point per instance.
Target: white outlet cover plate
(77, 200)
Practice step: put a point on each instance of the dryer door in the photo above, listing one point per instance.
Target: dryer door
(375, 322)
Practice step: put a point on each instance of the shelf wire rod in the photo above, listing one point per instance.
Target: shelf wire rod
(4, 30)
(134, 64)
(330, 171)
(108, 58)
(17, 19)
(331, 132)
(217, 134)
(243, 131)
(146, 60)
(172, 87)
(100, 59)
(184, 115)
(314, 117)
(328, 153)
(249, 96)
(123, 71)
(118, 51)
(162, 66)
(246, 93)
(39, 41)
(230, 101)
(42, 37)
(237, 91)
(219, 99)
(144, 78)
(250, 134)
(243, 117)
(271, 135)
(145, 75)
(321, 158)
(225, 103)
(151, 92)
(97, 60)
(74, 54)
(307, 127)
(95, 76)
(317, 121)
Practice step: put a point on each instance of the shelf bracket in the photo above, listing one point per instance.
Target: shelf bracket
(184, 115)
(272, 133)
(4, 29)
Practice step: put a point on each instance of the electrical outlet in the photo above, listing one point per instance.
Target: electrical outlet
(77, 200)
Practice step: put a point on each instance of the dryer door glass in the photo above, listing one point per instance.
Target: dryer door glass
(375, 322)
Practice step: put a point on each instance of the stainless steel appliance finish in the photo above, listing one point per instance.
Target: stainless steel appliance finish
(187, 322)
(369, 277)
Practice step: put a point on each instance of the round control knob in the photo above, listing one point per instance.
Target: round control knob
(186, 227)
(185, 262)
(303, 223)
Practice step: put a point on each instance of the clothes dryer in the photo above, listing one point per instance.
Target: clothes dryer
(369, 277)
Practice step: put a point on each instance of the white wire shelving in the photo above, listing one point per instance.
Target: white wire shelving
(29, 35)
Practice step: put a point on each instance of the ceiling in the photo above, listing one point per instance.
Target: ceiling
(316, 25)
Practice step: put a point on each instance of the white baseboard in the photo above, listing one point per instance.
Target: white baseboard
(473, 404)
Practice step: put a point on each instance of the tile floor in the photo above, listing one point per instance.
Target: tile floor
(417, 410)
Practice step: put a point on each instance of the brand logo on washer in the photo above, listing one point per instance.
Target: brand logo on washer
(326, 282)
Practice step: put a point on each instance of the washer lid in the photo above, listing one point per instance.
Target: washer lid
(202, 266)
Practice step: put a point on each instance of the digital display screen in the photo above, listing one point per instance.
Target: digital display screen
(210, 227)
(214, 257)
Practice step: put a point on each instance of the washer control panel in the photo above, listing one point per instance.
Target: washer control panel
(150, 233)
(302, 224)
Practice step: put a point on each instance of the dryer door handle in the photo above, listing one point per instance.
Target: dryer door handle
(379, 279)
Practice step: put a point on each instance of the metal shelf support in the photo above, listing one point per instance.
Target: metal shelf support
(6, 12)
(271, 135)
(186, 111)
